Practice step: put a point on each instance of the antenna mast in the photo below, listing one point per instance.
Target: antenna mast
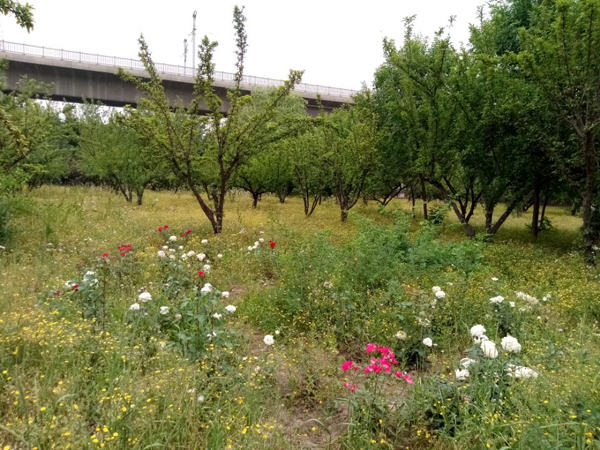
(194, 43)
(185, 50)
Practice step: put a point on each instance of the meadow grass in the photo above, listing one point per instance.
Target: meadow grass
(71, 380)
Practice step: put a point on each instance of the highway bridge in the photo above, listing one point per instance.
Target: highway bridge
(76, 76)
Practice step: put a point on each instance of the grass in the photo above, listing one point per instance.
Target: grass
(75, 380)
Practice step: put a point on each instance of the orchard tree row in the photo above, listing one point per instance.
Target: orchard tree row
(504, 123)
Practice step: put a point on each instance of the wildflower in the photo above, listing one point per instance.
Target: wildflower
(489, 349)
(528, 298)
(477, 331)
(217, 315)
(166, 227)
(225, 294)
(207, 288)
(512, 304)
(423, 322)
(200, 398)
(230, 309)
(145, 296)
(371, 348)
(211, 335)
(75, 287)
(173, 238)
(200, 256)
(256, 244)
(510, 344)
(497, 299)
(268, 339)
(178, 316)
(200, 274)
(261, 240)
(164, 310)
(440, 294)
(191, 253)
(161, 254)
(436, 289)
(160, 229)
(520, 372)
(183, 257)
(204, 241)
(347, 365)
(272, 244)
(328, 285)
(206, 268)
(180, 247)
(461, 374)
(134, 307)
(105, 255)
(188, 232)
(277, 332)
(250, 248)
(219, 256)
(428, 342)
(494, 279)
(350, 387)
(401, 335)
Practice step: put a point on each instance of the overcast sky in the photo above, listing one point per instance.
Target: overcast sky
(337, 43)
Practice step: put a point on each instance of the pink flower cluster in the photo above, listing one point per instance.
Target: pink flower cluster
(383, 364)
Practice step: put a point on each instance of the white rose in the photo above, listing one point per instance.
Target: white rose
(191, 253)
(268, 339)
(440, 294)
(161, 254)
(428, 342)
(164, 310)
(204, 241)
(489, 349)
(510, 344)
(401, 335)
(173, 238)
(230, 309)
(250, 248)
(225, 294)
(217, 315)
(134, 307)
(497, 299)
(466, 362)
(520, 372)
(477, 331)
(145, 296)
(436, 289)
(461, 374)
(200, 256)
(206, 267)
(219, 256)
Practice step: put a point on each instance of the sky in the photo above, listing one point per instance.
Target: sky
(337, 43)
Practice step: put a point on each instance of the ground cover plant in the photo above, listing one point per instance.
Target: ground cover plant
(136, 327)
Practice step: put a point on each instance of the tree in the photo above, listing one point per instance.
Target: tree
(113, 154)
(351, 138)
(23, 13)
(561, 55)
(206, 152)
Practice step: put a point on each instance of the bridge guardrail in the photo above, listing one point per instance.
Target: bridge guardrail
(133, 64)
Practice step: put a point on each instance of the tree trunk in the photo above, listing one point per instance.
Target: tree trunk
(535, 219)
(344, 215)
(140, 196)
(591, 171)
(413, 200)
(255, 199)
(546, 200)
(489, 215)
(424, 195)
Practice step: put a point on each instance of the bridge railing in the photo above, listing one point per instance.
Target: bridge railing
(133, 64)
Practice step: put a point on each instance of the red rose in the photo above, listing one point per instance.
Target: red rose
(200, 274)
(272, 244)
(75, 286)
(105, 255)
(160, 229)
(122, 254)
(166, 227)
(188, 231)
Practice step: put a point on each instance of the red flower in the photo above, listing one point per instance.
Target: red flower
(74, 287)
(160, 229)
(272, 244)
(188, 231)
(57, 293)
(200, 274)
(105, 255)
(122, 254)
(166, 227)
(182, 233)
